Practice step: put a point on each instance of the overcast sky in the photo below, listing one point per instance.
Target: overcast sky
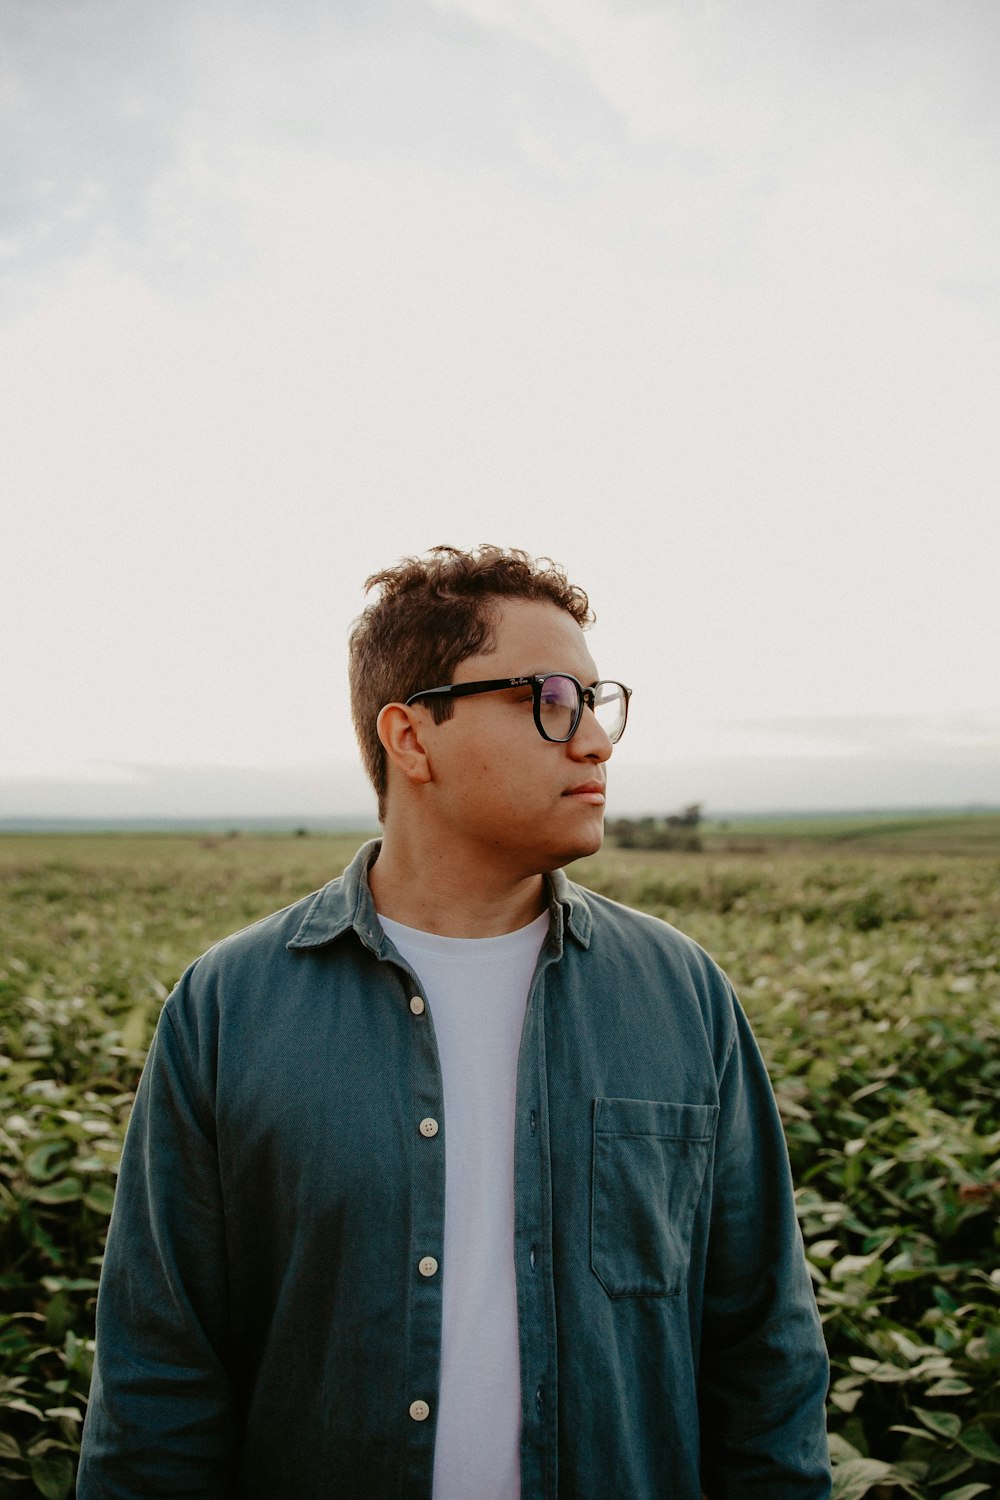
(701, 300)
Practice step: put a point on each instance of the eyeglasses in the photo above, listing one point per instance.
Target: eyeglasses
(558, 701)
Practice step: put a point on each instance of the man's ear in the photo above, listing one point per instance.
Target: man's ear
(399, 731)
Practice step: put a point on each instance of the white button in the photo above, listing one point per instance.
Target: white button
(428, 1266)
(419, 1411)
(428, 1127)
(417, 1006)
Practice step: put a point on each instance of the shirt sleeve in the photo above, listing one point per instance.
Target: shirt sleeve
(160, 1420)
(764, 1369)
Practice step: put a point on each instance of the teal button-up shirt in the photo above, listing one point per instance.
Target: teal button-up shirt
(264, 1330)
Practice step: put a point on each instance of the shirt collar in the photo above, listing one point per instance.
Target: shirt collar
(347, 903)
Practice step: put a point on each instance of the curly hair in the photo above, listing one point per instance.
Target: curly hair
(431, 613)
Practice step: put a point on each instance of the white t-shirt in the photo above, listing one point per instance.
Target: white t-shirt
(476, 990)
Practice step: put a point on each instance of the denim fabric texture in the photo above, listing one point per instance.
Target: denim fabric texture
(264, 1331)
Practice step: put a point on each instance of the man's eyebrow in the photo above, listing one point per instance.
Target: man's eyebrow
(565, 672)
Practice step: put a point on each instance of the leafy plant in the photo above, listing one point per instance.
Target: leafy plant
(872, 981)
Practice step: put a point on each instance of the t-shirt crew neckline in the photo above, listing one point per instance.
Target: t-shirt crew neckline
(461, 950)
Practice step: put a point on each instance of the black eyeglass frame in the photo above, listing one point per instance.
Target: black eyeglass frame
(586, 697)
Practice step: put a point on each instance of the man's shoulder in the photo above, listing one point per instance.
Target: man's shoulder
(649, 938)
(262, 946)
(270, 933)
(315, 920)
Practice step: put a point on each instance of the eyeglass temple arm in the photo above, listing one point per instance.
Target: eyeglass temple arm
(466, 689)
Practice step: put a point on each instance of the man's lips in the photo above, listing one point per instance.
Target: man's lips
(587, 791)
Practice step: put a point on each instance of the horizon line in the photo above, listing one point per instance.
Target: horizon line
(344, 823)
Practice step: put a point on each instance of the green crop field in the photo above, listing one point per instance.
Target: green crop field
(907, 833)
(866, 952)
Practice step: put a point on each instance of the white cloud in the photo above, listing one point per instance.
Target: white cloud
(775, 76)
(363, 280)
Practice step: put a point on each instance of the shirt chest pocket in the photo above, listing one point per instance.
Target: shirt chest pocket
(649, 1165)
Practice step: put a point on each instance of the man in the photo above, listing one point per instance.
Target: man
(455, 1180)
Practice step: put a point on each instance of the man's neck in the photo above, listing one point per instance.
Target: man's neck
(435, 893)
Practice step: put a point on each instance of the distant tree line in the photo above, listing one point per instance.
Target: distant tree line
(676, 831)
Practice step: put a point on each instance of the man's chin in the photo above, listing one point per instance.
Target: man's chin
(583, 846)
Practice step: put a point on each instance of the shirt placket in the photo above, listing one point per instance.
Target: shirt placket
(533, 1250)
(422, 1298)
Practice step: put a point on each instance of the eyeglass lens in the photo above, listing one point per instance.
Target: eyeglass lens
(610, 708)
(559, 707)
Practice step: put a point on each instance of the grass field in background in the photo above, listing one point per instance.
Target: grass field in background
(866, 951)
(925, 833)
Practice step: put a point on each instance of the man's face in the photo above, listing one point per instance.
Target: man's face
(520, 802)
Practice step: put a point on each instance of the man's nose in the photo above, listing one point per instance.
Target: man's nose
(590, 742)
